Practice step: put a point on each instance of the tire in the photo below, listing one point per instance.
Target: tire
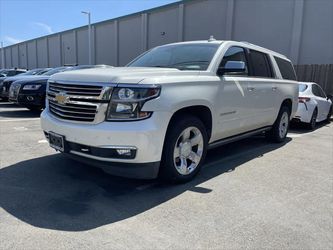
(312, 124)
(279, 131)
(181, 159)
(328, 119)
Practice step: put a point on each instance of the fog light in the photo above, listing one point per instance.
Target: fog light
(30, 98)
(126, 152)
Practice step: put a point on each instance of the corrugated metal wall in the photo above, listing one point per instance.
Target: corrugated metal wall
(300, 29)
(321, 74)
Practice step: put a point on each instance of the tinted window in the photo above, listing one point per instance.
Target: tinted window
(13, 73)
(234, 54)
(317, 91)
(302, 87)
(286, 69)
(56, 70)
(183, 57)
(260, 64)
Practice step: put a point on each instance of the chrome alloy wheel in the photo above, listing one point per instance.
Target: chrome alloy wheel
(188, 150)
(284, 123)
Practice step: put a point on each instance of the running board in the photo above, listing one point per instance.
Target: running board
(237, 137)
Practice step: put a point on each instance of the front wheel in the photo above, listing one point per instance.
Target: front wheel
(278, 132)
(184, 150)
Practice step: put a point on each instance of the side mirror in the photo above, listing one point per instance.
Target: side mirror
(232, 68)
(2, 75)
(329, 97)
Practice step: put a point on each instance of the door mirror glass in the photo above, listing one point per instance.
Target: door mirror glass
(232, 68)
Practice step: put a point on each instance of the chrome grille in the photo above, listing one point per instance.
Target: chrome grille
(80, 102)
(73, 89)
(72, 112)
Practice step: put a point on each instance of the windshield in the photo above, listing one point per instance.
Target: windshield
(34, 72)
(302, 87)
(179, 56)
(56, 70)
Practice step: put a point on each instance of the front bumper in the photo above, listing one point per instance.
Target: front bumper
(33, 99)
(147, 136)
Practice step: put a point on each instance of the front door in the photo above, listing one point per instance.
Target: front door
(234, 104)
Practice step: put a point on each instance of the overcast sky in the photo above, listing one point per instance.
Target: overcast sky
(22, 20)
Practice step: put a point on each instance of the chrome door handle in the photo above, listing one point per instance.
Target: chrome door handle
(274, 88)
(250, 88)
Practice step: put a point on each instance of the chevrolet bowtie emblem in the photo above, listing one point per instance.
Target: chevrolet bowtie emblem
(61, 98)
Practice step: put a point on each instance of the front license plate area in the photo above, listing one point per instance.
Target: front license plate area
(56, 141)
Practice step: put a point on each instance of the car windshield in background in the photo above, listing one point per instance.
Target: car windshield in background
(57, 70)
(34, 72)
(179, 56)
(302, 87)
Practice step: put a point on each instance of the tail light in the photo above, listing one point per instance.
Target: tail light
(303, 99)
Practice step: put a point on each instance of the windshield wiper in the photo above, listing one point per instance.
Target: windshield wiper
(188, 62)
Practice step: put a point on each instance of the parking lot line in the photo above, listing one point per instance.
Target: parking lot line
(20, 120)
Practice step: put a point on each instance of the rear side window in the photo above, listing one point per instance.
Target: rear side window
(302, 87)
(317, 91)
(286, 69)
(11, 73)
(260, 64)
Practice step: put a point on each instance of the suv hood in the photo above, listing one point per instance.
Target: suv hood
(32, 79)
(15, 78)
(119, 74)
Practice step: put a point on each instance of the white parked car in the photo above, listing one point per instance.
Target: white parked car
(314, 106)
(164, 110)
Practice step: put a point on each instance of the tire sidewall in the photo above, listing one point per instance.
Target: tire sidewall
(168, 170)
(274, 134)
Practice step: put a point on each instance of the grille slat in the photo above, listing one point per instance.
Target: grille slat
(75, 106)
(72, 111)
(71, 117)
(81, 104)
(70, 89)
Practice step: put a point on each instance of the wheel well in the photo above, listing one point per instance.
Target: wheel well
(287, 103)
(202, 112)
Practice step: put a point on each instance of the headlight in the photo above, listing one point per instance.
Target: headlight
(32, 87)
(127, 102)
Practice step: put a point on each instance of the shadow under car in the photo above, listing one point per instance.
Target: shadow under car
(55, 192)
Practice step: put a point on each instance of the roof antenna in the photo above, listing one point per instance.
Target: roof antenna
(211, 38)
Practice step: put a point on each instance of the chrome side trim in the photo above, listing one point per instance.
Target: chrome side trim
(237, 137)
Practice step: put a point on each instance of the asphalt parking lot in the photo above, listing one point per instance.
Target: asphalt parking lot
(250, 194)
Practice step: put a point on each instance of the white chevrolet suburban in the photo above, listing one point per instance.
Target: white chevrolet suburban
(161, 113)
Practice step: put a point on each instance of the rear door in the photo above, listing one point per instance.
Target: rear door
(261, 89)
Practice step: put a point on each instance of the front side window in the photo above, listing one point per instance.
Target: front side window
(179, 56)
(234, 53)
(260, 64)
(286, 69)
